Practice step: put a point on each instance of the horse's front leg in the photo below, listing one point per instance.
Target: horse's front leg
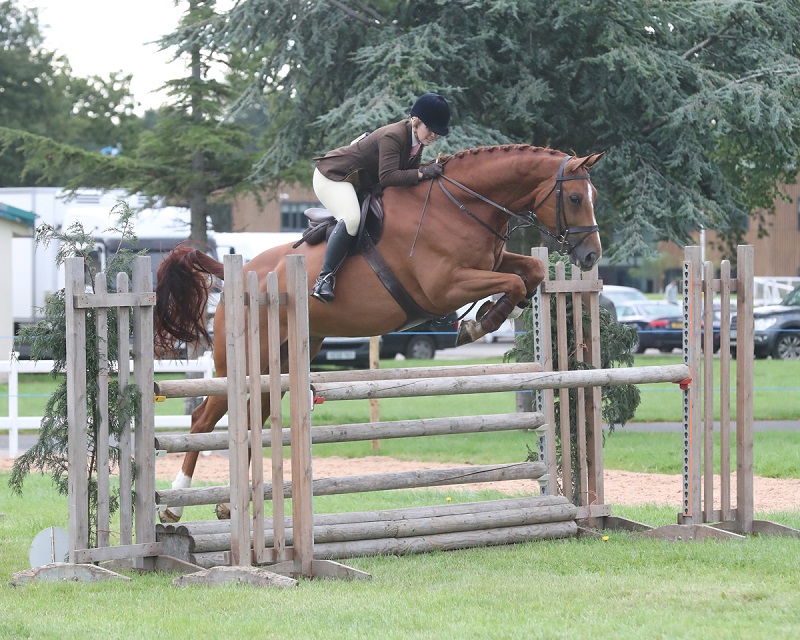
(530, 273)
(204, 419)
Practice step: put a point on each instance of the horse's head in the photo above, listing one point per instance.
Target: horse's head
(566, 211)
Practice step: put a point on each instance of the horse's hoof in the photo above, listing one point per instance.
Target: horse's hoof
(167, 517)
(223, 512)
(467, 332)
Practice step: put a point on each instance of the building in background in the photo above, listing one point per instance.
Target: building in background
(14, 223)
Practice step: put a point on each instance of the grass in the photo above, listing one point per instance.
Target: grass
(776, 390)
(622, 588)
(776, 386)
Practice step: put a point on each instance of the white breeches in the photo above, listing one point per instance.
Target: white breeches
(340, 199)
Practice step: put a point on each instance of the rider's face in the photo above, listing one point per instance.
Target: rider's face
(425, 135)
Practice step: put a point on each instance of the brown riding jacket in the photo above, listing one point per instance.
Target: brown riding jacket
(381, 158)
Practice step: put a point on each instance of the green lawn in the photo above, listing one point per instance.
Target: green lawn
(623, 588)
(777, 385)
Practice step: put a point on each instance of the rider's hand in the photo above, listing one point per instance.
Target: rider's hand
(430, 171)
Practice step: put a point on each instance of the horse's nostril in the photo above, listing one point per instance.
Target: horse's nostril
(590, 258)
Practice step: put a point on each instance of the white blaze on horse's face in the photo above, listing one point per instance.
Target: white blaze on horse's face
(590, 194)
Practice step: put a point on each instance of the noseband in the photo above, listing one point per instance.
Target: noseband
(529, 217)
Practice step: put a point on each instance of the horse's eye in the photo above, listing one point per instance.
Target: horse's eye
(575, 199)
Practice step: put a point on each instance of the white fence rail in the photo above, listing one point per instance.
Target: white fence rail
(771, 290)
(13, 423)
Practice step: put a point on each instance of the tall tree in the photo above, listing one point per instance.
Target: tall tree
(695, 102)
(39, 95)
(186, 153)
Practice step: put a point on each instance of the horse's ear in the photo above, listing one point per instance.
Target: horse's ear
(588, 162)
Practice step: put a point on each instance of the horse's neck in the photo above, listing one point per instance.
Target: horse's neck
(505, 177)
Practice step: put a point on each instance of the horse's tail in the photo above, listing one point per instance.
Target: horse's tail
(182, 289)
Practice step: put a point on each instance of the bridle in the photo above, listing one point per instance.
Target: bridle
(529, 217)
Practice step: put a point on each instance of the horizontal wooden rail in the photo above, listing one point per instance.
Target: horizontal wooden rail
(450, 382)
(365, 431)
(372, 482)
(219, 386)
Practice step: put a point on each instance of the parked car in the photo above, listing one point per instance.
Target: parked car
(619, 294)
(423, 341)
(350, 353)
(776, 329)
(418, 343)
(659, 324)
(612, 294)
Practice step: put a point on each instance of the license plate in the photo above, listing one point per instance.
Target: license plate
(341, 355)
(677, 325)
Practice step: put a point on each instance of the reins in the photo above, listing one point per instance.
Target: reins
(528, 218)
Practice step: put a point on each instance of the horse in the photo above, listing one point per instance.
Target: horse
(444, 242)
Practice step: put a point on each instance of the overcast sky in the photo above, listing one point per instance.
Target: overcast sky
(101, 36)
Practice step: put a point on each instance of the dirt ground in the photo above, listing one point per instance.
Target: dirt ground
(621, 487)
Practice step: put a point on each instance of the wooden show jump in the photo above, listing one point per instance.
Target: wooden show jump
(306, 544)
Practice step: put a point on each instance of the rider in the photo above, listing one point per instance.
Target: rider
(389, 156)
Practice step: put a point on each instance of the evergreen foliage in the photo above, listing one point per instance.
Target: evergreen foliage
(40, 97)
(695, 102)
(48, 339)
(619, 403)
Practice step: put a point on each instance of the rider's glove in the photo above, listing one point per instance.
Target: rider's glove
(430, 171)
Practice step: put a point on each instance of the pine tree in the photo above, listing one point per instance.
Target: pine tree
(695, 103)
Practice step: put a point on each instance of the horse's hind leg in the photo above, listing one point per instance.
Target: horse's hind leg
(223, 509)
(204, 419)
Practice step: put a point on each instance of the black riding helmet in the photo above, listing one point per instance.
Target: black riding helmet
(434, 112)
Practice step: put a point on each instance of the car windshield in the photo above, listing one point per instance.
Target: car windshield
(622, 294)
(793, 299)
(652, 309)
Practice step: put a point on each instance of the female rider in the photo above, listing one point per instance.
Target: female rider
(389, 156)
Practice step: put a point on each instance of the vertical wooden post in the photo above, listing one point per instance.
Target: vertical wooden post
(300, 403)
(237, 410)
(256, 421)
(692, 441)
(594, 400)
(144, 434)
(101, 442)
(276, 415)
(563, 394)
(744, 388)
(78, 445)
(375, 403)
(123, 378)
(708, 392)
(580, 394)
(725, 391)
(543, 354)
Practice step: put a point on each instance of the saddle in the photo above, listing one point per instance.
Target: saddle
(370, 231)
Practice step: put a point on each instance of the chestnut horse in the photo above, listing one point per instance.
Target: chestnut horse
(443, 240)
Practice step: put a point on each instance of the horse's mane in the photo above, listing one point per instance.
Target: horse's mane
(467, 153)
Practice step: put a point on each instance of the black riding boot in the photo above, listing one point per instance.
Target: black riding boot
(338, 247)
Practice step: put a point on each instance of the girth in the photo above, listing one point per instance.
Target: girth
(371, 226)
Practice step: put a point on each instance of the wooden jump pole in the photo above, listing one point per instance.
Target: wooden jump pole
(328, 434)
(461, 384)
(494, 383)
(218, 386)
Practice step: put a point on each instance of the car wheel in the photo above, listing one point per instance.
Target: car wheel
(733, 353)
(665, 349)
(636, 347)
(420, 348)
(787, 346)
